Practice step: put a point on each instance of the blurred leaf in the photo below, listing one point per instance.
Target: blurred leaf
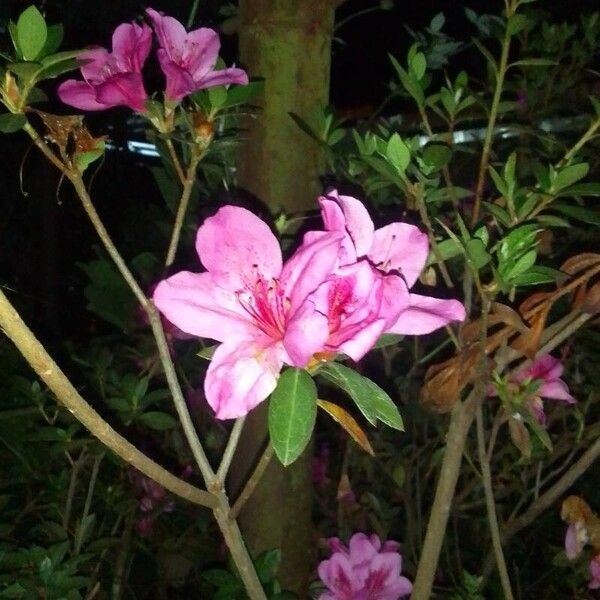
(158, 420)
(10, 123)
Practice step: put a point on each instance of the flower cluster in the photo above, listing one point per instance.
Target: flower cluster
(340, 290)
(115, 78)
(546, 372)
(365, 570)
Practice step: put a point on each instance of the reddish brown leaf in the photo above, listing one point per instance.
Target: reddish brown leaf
(348, 423)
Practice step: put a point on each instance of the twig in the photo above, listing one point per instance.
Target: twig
(491, 508)
(69, 397)
(75, 469)
(175, 161)
(234, 438)
(252, 482)
(88, 503)
(188, 186)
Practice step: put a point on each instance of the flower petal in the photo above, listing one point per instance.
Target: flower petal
(237, 246)
(179, 81)
(240, 376)
(426, 314)
(556, 390)
(123, 89)
(201, 51)
(305, 333)
(197, 305)
(131, 45)
(233, 75)
(345, 213)
(312, 263)
(400, 247)
(80, 95)
(594, 567)
(573, 546)
(170, 32)
(544, 367)
(336, 573)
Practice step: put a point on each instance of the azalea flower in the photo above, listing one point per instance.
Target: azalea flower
(248, 299)
(547, 370)
(365, 570)
(188, 59)
(112, 78)
(397, 254)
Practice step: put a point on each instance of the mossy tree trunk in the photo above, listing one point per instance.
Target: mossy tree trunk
(288, 42)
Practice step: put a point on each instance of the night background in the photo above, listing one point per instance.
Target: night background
(145, 543)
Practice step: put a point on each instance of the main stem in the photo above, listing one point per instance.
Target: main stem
(460, 422)
(491, 508)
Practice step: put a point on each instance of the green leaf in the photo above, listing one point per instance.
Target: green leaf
(581, 189)
(32, 32)
(350, 382)
(418, 65)
(477, 253)
(516, 23)
(370, 399)
(534, 62)
(158, 420)
(10, 123)
(208, 352)
(388, 339)
(537, 275)
(217, 96)
(24, 70)
(398, 153)
(267, 564)
(579, 213)
(241, 94)
(437, 155)
(486, 53)
(292, 414)
(53, 40)
(385, 409)
(569, 175)
(523, 264)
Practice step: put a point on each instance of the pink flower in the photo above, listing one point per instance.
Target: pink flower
(575, 539)
(188, 59)
(396, 254)
(594, 584)
(112, 79)
(259, 308)
(547, 370)
(365, 570)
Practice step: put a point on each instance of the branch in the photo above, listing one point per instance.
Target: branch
(234, 438)
(69, 397)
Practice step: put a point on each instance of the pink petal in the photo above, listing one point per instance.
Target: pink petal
(594, 584)
(131, 45)
(362, 550)
(306, 333)
(400, 247)
(426, 314)
(170, 32)
(237, 246)
(345, 213)
(202, 51)
(229, 76)
(179, 81)
(545, 367)
(336, 573)
(556, 390)
(123, 89)
(93, 64)
(240, 376)
(395, 298)
(573, 546)
(312, 263)
(197, 305)
(80, 95)
(536, 406)
(384, 581)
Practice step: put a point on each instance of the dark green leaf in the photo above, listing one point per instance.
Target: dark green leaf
(267, 564)
(53, 40)
(158, 420)
(437, 155)
(579, 213)
(292, 414)
(388, 339)
(241, 94)
(10, 123)
(569, 175)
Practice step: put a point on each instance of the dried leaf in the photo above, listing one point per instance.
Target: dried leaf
(348, 423)
(529, 343)
(520, 436)
(580, 262)
(591, 299)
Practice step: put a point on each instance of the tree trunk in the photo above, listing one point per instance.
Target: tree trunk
(288, 42)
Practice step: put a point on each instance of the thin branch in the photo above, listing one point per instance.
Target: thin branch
(234, 438)
(69, 397)
(252, 482)
(188, 186)
(491, 508)
(175, 161)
